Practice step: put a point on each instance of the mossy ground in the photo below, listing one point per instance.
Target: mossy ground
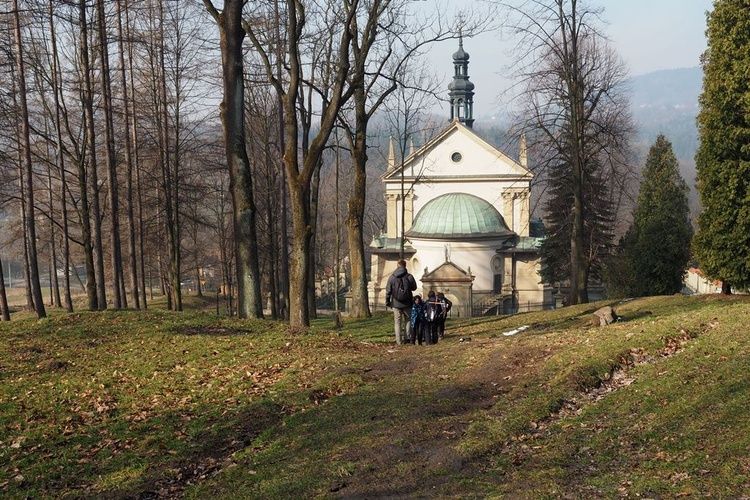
(162, 404)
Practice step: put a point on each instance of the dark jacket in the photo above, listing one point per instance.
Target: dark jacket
(416, 315)
(389, 299)
(432, 309)
(446, 304)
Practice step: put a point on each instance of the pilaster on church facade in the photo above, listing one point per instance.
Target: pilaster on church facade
(393, 207)
(516, 209)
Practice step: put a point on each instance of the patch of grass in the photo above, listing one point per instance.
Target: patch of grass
(126, 403)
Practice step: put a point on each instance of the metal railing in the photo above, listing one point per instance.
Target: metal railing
(515, 308)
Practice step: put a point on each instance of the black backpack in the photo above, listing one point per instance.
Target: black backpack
(401, 290)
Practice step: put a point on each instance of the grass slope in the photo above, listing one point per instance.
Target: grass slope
(160, 405)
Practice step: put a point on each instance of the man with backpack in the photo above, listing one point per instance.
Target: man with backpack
(398, 296)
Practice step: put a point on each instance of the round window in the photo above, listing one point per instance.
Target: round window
(456, 157)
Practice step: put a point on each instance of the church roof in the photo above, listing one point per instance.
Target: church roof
(458, 216)
(382, 245)
(482, 160)
(460, 55)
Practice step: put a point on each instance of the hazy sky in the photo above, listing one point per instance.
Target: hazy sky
(650, 35)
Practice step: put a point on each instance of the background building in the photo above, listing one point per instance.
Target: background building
(466, 218)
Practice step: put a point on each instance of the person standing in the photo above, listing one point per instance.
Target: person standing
(398, 296)
(417, 320)
(445, 305)
(432, 312)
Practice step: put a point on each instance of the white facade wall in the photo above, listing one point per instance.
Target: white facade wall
(476, 256)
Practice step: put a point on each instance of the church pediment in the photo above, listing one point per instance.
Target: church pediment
(457, 153)
(447, 272)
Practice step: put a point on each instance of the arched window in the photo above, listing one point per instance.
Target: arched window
(415, 270)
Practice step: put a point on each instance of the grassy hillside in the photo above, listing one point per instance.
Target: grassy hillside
(162, 405)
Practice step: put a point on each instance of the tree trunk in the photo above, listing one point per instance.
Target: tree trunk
(232, 34)
(60, 160)
(21, 191)
(171, 184)
(284, 257)
(30, 221)
(109, 141)
(4, 310)
(314, 197)
(132, 249)
(140, 236)
(54, 282)
(168, 179)
(337, 225)
(283, 287)
(578, 293)
(575, 94)
(66, 244)
(98, 283)
(272, 234)
(299, 313)
(360, 306)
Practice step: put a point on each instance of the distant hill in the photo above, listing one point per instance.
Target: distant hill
(668, 88)
(667, 102)
(663, 102)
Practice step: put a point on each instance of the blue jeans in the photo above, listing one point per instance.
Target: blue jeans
(400, 317)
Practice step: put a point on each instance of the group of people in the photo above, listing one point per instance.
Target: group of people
(420, 321)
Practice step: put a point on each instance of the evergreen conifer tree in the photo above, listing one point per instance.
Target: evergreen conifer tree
(722, 244)
(658, 243)
(598, 220)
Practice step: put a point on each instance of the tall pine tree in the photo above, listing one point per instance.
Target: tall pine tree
(598, 221)
(722, 244)
(658, 244)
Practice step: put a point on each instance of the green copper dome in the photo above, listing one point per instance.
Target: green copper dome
(458, 216)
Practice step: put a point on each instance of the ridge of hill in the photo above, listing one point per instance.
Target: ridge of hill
(667, 102)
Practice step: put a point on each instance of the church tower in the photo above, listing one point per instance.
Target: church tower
(461, 89)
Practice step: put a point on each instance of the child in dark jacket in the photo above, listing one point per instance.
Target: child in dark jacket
(416, 320)
(432, 309)
(445, 305)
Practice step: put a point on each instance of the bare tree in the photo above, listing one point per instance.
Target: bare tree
(4, 310)
(576, 111)
(95, 286)
(385, 54)
(120, 299)
(136, 162)
(28, 182)
(60, 156)
(232, 34)
(265, 161)
(129, 155)
(363, 45)
(301, 172)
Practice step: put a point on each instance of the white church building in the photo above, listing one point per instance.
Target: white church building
(466, 218)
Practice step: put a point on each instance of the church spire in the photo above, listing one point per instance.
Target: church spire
(391, 156)
(461, 89)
